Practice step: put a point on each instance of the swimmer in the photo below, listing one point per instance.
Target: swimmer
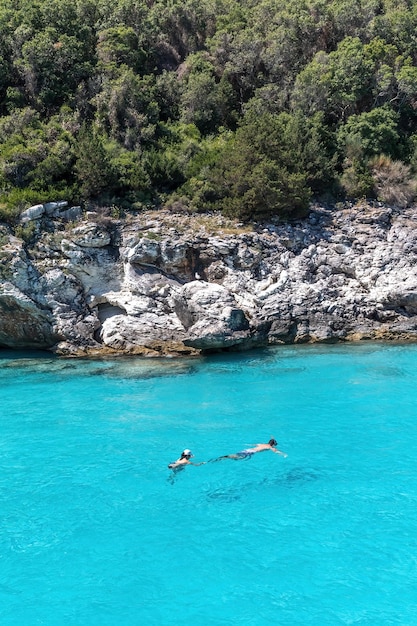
(249, 452)
(184, 460)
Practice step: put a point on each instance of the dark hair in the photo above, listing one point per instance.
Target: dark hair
(273, 442)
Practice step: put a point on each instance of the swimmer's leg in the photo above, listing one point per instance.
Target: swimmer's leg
(235, 457)
(174, 472)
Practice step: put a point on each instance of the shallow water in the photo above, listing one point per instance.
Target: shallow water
(95, 530)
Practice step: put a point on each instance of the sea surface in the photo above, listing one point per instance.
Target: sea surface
(95, 530)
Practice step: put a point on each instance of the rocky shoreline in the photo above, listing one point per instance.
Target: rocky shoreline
(160, 283)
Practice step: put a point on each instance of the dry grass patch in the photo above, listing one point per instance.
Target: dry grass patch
(393, 181)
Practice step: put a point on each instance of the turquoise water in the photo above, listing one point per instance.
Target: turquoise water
(95, 530)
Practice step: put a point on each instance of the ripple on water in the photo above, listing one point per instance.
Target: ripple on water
(96, 530)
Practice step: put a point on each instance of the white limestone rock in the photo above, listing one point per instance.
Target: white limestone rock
(90, 236)
(23, 323)
(32, 213)
(159, 281)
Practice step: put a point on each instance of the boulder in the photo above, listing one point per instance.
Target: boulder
(23, 324)
(32, 213)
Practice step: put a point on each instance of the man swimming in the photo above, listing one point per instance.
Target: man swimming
(249, 452)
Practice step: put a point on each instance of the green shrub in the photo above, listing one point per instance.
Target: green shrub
(8, 214)
(25, 231)
(14, 201)
(356, 180)
(255, 173)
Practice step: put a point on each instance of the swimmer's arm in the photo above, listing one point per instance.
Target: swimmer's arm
(279, 452)
(197, 464)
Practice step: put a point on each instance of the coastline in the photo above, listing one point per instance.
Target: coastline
(166, 284)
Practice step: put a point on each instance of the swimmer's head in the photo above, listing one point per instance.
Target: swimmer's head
(187, 454)
(273, 442)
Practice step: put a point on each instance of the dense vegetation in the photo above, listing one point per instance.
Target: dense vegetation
(253, 107)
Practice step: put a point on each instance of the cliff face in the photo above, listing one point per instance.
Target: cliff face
(161, 283)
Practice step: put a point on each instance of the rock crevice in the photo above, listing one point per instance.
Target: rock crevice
(161, 283)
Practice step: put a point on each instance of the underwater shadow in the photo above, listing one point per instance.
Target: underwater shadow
(294, 478)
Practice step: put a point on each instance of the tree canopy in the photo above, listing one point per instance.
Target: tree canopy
(250, 107)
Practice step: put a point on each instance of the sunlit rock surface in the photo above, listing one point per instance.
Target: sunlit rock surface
(162, 283)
